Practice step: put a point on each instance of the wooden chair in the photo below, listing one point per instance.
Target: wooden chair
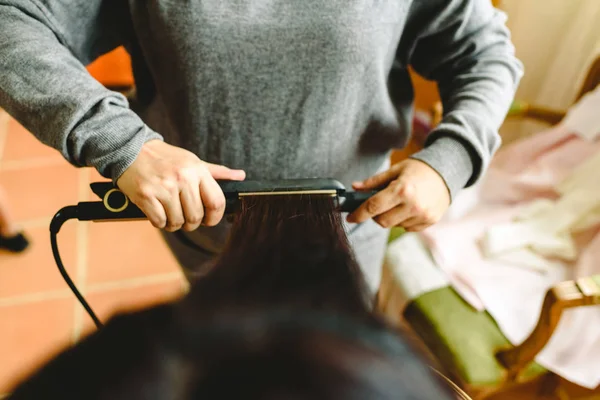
(467, 345)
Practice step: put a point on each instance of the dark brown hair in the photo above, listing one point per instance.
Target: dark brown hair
(283, 314)
(287, 250)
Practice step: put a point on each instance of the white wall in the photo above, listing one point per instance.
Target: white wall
(556, 40)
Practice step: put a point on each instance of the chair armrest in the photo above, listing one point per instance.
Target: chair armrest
(569, 294)
(521, 109)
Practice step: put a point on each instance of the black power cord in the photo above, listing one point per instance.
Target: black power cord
(62, 216)
(85, 212)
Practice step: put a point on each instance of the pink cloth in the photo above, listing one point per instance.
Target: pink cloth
(530, 168)
(522, 172)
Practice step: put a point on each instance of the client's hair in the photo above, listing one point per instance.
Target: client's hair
(283, 314)
(290, 251)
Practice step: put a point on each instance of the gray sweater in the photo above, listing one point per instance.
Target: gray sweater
(280, 88)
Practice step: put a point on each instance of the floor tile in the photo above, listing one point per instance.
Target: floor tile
(22, 145)
(107, 303)
(36, 331)
(41, 191)
(125, 250)
(34, 270)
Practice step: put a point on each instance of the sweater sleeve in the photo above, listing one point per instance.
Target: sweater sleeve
(44, 47)
(463, 45)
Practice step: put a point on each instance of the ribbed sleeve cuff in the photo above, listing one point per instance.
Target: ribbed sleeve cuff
(126, 155)
(112, 149)
(109, 137)
(451, 160)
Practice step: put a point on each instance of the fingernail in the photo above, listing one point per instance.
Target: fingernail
(358, 184)
(240, 174)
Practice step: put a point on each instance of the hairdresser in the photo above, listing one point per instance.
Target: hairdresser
(257, 89)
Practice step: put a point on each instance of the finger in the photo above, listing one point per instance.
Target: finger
(377, 181)
(213, 201)
(191, 203)
(412, 221)
(376, 205)
(418, 227)
(394, 217)
(172, 206)
(222, 172)
(155, 212)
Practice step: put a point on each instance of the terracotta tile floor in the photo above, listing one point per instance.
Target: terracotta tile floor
(120, 265)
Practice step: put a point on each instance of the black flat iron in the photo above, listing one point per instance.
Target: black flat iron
(115, 206)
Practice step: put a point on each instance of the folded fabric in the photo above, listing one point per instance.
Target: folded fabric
(548, 232)
(537, 212)
(455, 248)
(546, 226)
(584, 176)
(526, 258)
(533, 168)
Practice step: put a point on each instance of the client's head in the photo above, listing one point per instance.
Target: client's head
(264, 354)
(283, 314)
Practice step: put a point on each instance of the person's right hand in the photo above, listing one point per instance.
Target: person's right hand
(174, 188)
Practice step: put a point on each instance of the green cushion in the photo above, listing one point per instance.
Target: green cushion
(395, 233)
(517, 107)
(463, 339)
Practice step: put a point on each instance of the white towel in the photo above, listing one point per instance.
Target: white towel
(546, 227)
(411, 266)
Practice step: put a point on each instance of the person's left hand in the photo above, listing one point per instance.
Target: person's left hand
(416, 197)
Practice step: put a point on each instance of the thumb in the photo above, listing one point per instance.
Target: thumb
(222, 172)
(377, 181)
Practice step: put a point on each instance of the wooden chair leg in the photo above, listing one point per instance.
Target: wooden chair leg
(565, 295)
(550, 387)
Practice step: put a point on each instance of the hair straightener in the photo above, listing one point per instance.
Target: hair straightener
(115, 206)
